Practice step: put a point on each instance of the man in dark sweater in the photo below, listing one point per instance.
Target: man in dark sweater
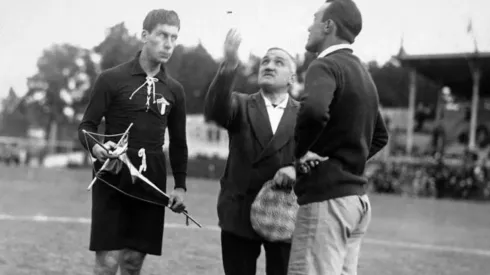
(339, 119)
(128, 217)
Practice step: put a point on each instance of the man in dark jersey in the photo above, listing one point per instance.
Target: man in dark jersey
(128, 216)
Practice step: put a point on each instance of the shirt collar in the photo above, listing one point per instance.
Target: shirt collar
(334, 48)
(281, 105)
(137, 70)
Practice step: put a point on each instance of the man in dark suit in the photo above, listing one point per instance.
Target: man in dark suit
(260, 128)
(339, 119)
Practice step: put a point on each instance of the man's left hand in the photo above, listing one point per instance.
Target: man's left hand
(176, 201)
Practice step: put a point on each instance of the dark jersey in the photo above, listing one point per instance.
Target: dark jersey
(124, 95)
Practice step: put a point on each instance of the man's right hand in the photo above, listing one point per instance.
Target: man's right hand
(231, 46)
(285, 177)
(102, 154)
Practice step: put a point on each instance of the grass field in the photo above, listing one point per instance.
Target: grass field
(407, 236)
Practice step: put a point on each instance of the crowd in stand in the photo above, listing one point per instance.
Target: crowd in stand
(468, 180)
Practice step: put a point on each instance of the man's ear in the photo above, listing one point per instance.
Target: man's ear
(329, 26)
(144, 36)
(292, 79)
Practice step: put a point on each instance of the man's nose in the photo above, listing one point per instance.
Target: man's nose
(270, 66)
(167, 44)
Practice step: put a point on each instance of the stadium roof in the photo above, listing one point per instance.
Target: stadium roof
(452, 70)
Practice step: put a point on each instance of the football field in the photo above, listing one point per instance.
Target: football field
(45, 222)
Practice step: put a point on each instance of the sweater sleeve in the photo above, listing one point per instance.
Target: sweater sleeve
(313, 115)
(99, 102)
(178, 152)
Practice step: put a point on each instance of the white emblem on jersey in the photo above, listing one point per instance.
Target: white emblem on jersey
(162, 104)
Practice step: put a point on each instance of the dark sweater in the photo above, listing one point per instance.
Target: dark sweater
(110, 99)
(339, 118)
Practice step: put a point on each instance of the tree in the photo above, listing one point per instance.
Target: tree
(91, 70)
(118, 47)
(392, 83)
(247, 77)
(302, 68)
(13, 122)
(65, 74)
(194, 68)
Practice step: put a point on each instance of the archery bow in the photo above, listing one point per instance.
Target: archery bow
(124, 135)
(118, 152)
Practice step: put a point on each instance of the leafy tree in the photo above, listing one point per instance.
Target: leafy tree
(65, 73)
(246, 80)
(117, 47)
(194, 68)
(12, 121)
(393, 85)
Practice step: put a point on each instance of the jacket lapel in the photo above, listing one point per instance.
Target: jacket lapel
(284, 132)
(259, 120)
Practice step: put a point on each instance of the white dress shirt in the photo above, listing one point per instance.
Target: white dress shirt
(275, 113)
(334, 48)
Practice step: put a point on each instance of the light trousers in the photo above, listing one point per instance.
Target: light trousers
(328, 235)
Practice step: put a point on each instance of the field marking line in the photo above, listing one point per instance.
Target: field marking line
(371, 241)
(431, 247)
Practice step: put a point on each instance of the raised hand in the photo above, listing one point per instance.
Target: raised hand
(231, 46)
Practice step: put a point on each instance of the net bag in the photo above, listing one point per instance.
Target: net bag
(273, 212)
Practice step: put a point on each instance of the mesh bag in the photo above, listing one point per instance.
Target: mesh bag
(273, 213)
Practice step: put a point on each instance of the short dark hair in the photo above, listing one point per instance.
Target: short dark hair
(160, 16)
(346, 16)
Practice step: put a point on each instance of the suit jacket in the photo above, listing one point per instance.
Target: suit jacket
(255, 154)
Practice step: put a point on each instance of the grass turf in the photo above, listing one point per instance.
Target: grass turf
(399, 226)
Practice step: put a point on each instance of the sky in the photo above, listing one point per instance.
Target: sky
(427, 27)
